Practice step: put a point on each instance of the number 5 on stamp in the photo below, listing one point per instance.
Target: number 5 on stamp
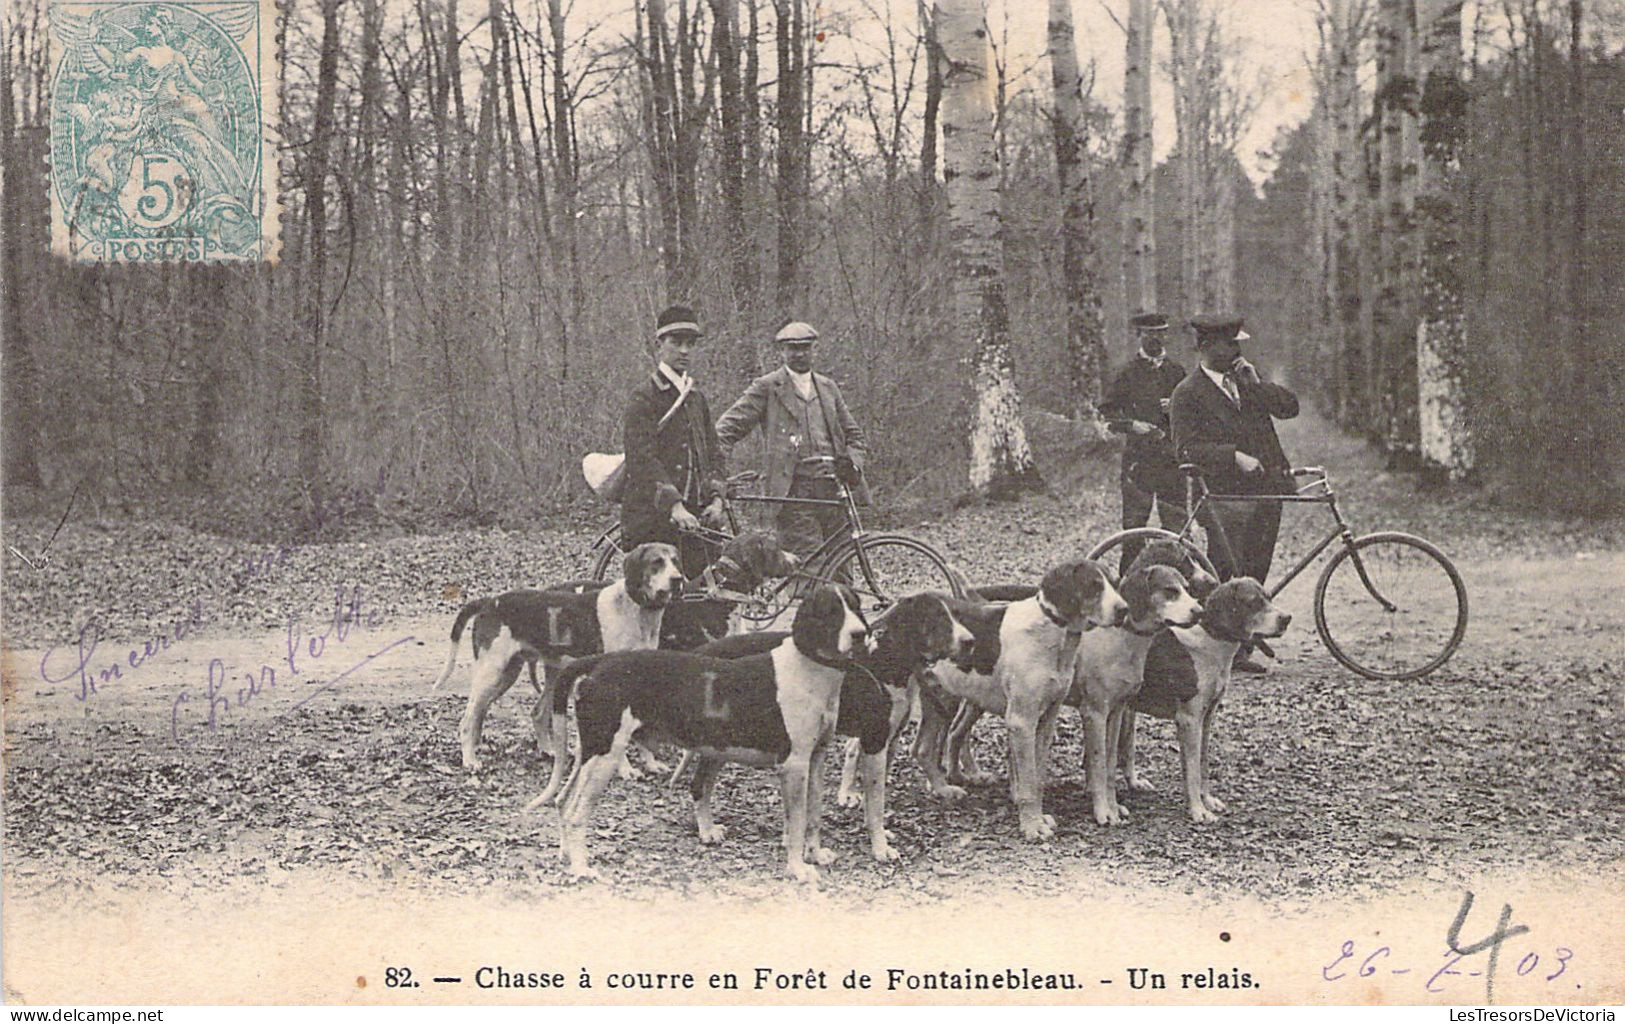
(163, 124)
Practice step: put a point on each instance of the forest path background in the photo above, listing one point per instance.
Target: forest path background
(347, 769)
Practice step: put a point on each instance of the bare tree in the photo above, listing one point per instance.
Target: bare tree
(933, 106)
(1441, 333)
(793, 180)
(1086, 343)
(1001, 463)
(1138, 161)
(312, 414)
(1395, 311)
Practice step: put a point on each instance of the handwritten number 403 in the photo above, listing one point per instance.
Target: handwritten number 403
(1339, 969)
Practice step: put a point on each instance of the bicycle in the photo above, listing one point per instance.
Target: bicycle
(880, 566)
(1388, 605)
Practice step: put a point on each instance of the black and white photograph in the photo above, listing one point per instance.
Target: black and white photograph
(813, 502)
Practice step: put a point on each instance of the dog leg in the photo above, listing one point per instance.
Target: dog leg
(817, 852)
(1096, 750)
(1188, 723)
(872, 767)
(493, 674)
(1212, 802)
(793, 790)
(1125, 755)
(962, 765)
(1026, 785)
(928, 746)
(581, 797)
(848, 795)
(1046, 742)
(1114, 752)
(702, 786)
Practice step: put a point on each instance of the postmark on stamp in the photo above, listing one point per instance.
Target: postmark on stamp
(163, 124)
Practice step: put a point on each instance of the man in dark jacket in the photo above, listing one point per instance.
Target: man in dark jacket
(674, 464)
(1223, 420)
(1136, 406)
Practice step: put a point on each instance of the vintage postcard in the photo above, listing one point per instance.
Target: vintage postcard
(163, 124)
(858, 502)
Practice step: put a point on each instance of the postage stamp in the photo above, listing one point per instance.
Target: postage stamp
(162, 131)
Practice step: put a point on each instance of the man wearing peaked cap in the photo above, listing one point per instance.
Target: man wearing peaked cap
(1223, 420)
(674, 463)
(1136, 406)
(813, 442)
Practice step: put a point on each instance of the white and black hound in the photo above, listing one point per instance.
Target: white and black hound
(911, 635)
(1028, 678)
(1187, 673)
(771, 710)
(518, 627)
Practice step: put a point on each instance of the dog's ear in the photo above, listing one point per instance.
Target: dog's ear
(1226, 608)
(635, 567)
(1063, 587)
(818, 620)
(1137, 590)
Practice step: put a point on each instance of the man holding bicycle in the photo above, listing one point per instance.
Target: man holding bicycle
(1223, 417)
(673, 460)
(813, 442)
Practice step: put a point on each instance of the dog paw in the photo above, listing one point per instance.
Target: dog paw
(849, 798)
(885, 853)
(1213, 803)
(1108, 814)
(1138, 785)
(713, 835)
(804, 873)
(628, 772)
(585, 874)
(1038, 830)
(1049, 819)
(948, 792)
(823, 856)
(472, 763)
(657, 767)
(977, 777)
(1199, 813)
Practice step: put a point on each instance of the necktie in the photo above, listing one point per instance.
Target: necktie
(1231, 390)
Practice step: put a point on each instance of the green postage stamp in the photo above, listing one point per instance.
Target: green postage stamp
(163, 127)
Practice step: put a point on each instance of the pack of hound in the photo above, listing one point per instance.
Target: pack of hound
(641, 662)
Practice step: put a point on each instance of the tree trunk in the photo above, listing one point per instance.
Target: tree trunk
(1139, 164)
(24, 184)
(789, 187)
(730, 156)
(1001, 464)
(933, 106)
(1441, 334)
(312, 415)
(1396, 325)
(566, 182)
(1086, 346)
(1350, 361)
(1190, 146)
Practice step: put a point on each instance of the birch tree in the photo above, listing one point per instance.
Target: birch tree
(1138, 161)
(1394, 316)
(1001, 463)
(1441, 331)
(312, 422)
(1086, 345)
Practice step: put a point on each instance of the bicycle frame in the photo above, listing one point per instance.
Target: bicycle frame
(1341, 533)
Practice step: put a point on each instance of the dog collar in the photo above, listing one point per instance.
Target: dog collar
(1051, 614)
(828, 662)
(1153, 631)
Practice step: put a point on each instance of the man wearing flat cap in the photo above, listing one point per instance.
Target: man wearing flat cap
(1136, 406)
(674, 463)
(811, 437)
(1223, 420)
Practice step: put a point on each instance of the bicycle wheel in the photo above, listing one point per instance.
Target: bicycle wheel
(606, 563)
(1150, 533)
(1391, 606)
(890, 566)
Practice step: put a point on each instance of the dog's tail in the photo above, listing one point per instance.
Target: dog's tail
(549, 795)
(468, 611)
(563, 686)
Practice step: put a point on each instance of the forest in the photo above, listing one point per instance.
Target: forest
(484, 205)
